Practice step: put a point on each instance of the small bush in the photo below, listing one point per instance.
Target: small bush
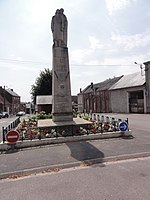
(42, 115)
(86, 117)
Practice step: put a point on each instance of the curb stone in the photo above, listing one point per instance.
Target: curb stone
(34, 143)
(58, 167)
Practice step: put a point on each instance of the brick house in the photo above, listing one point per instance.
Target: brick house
(125, 94)
(96, 97)
(9, 101)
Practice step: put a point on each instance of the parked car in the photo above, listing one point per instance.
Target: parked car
(4, 114)
(20, 113)
(1, 115)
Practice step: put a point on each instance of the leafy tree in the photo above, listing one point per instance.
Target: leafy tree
(43, 84)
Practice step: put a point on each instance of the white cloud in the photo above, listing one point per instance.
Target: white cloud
(86, 55)
(77, 56)
(114, 5)
(148, 53)
(94, 43)
(25, 35)
(132, 41)
(92, 62)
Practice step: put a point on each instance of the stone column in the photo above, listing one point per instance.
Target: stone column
(61, 89)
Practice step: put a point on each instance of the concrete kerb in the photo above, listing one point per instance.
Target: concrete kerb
(58, 167)
(25, 144)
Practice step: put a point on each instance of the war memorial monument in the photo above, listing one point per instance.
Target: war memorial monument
(61, 89)
(62, 115)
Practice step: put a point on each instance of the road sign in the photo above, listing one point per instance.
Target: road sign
(12, 136)
(123, 126)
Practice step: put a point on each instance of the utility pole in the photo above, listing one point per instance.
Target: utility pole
(4, 100)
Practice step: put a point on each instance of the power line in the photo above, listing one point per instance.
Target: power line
(22, 62)
(100, 65)
(48, 63)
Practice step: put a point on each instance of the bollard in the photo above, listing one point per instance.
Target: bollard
(98, 118)
(90, 116)
(5, 130)
(101, 127)
(102, 118)
(94, 117)
(107, 119)
(127, 120)
(113, 119)
(114, 123)
(3, 133)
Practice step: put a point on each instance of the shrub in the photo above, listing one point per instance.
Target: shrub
(42, 115)
(86, 117)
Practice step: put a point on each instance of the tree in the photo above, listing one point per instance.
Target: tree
(43, 84)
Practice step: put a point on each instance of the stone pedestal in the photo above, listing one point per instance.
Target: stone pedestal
(61, 89)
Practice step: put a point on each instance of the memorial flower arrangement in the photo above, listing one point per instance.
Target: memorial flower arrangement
(28, 128)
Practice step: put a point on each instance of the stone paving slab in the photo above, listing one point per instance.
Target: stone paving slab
(50, 123)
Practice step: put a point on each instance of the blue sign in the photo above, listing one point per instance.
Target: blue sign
(123, 126)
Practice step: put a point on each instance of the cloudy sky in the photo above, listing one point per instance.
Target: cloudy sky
(106, 37)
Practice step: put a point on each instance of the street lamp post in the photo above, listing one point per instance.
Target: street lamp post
(140, 68)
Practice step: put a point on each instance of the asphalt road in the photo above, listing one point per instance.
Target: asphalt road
(79, 151)
(125, 180)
